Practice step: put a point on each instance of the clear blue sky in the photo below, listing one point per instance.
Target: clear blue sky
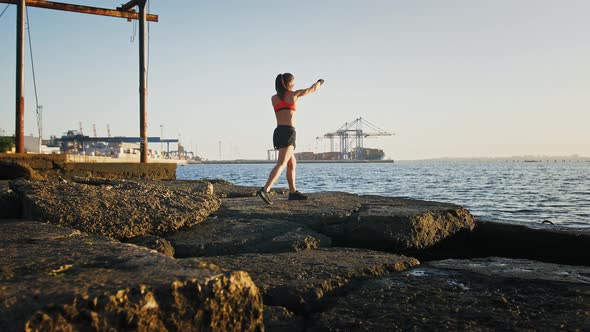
(450, 78)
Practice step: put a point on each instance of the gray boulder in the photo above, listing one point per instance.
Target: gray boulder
(115, 208)
(400, 225)
(373, 222)
(54, 278)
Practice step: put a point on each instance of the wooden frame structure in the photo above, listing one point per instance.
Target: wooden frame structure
(124, 11)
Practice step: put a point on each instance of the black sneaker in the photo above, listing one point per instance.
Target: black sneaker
(296, 196)
(264, 195)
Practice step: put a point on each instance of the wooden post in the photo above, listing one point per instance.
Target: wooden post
(20, 77)
(142, 82)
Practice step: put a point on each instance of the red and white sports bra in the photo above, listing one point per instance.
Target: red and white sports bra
(282, 105)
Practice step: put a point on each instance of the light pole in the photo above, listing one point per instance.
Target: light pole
(40, 125)
(161, 138)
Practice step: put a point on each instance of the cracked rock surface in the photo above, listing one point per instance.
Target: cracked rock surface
(115, 208)
(373, 222)
(335, 262)
(480, 294)
(300, 281)
(54, 278)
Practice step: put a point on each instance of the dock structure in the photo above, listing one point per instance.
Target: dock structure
(125, 11)
(73, 138)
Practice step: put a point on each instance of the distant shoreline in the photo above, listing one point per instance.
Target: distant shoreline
(217, 162)
(510, 159)
(389, 161)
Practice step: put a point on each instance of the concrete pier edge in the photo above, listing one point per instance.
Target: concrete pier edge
(56, 165)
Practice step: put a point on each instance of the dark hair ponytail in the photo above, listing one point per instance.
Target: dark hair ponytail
(281, 84)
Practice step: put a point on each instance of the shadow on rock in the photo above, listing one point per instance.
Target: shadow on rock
(540, 242)
(13, 169)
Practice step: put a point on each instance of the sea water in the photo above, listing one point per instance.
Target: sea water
(507, 191)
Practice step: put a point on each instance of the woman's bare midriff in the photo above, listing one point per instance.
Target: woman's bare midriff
(285, 117)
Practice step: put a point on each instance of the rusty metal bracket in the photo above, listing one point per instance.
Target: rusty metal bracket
(128, 5)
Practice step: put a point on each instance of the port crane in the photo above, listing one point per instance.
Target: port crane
(351, 137)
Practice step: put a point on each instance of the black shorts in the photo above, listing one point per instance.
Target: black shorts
(283, 136)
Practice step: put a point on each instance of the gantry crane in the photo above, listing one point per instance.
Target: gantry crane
(351, 136)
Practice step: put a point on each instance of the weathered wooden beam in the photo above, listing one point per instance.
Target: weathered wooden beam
(84, 9)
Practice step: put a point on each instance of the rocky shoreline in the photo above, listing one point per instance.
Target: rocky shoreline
(99, 254)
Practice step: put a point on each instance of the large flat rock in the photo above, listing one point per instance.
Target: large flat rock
(399, 224)
(115, 208)
(373, 222)
(54, 278)
(319, 208)
(302, 280)
(483, 294)
(226, 236)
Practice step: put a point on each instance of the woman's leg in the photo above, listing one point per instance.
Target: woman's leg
(285, 155)
(291, 165)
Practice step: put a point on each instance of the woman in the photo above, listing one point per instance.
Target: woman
(284, 135)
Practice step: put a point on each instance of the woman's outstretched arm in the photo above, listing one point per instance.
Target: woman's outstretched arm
(312, 88)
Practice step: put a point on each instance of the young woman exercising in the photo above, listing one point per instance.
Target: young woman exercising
(284, 135)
